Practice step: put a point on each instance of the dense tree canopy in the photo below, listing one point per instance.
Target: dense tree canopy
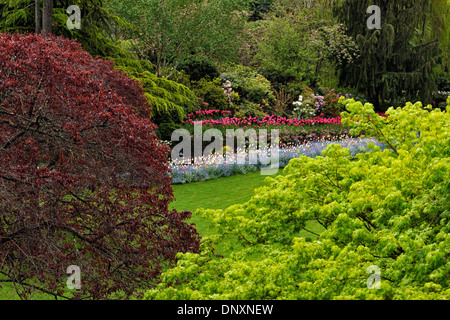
(168, 31)
(297, 43)
(83, 177)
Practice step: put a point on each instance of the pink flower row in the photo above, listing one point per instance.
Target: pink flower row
(266, 121)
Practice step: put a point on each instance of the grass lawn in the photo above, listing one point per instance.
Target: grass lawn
(220, 194)
(216, 194)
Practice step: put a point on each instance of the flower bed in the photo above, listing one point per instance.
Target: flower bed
(216, 166)
(273, 120)
(292, 131)
(296, 137)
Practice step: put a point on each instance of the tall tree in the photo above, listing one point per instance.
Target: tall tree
(298, 45)
(83, 177)
(166, 32)
(47, 16)
(392, 67)
(37, 16)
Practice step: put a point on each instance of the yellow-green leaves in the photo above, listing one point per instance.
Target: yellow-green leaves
(376, 226)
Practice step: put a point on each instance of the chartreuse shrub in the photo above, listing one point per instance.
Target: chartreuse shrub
(385, 218)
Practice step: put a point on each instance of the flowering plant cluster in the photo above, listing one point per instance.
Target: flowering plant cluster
(216, 166)
(310, 104)
(303, 111)
(333, 42)
(319, 104)
(223, 119)
(231, 95)
(292, 130)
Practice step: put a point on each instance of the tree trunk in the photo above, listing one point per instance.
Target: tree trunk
(38, 17)
(47, 14)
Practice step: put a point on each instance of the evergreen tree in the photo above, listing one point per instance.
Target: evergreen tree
(98, 26)
(398, 62)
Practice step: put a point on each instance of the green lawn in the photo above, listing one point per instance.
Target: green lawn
(220, 194)
(216, 194)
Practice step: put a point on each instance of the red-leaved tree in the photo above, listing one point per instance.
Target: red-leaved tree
(83, 177)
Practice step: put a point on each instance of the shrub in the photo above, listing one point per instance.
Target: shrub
(232, 96)
(84, 179)
(250, 85)
(282, 100)
(258, 8)
(250, 109)
(198, 67)
(295, 88)
(259, 89)
(211, 94)
(166, 129)
(307, 106)
(303, 110)
(331, 101)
